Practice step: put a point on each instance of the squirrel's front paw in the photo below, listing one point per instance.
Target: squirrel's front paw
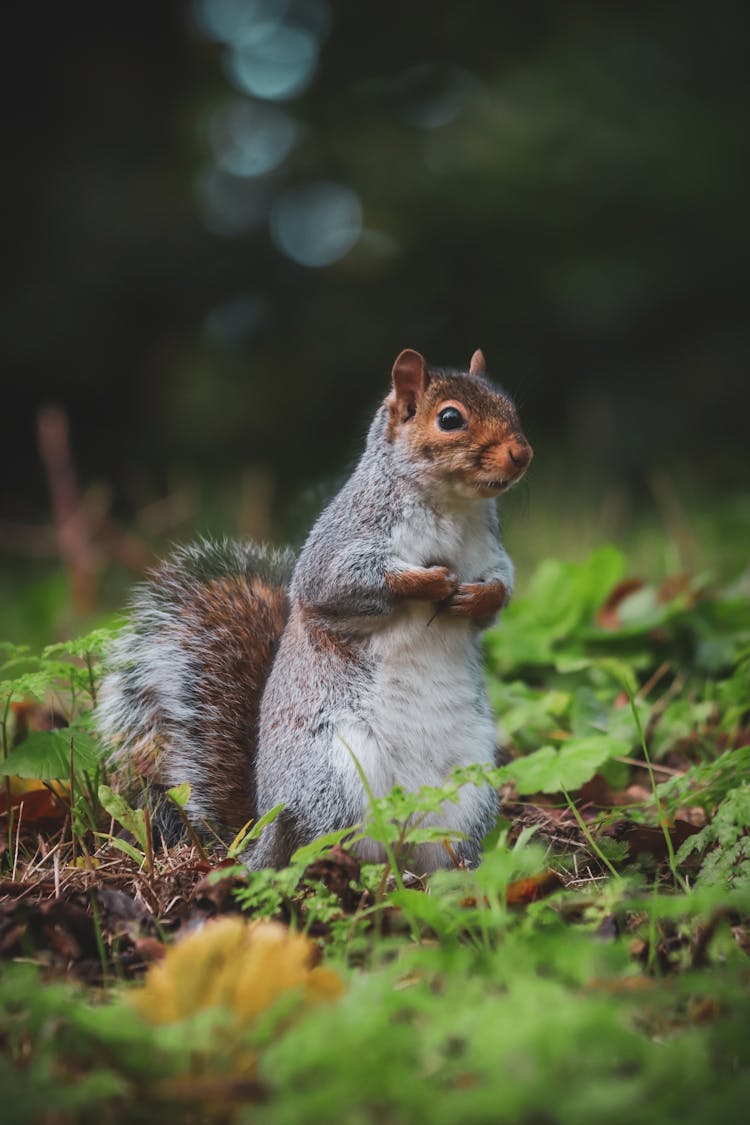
(478, 600)
(427, 583)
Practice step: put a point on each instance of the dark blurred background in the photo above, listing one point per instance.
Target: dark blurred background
(224, 219)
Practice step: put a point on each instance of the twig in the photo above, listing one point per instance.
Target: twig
(653, 680)
(149, 840)
(72, 801)
(18, 841)
(8, 792)
(194, 837)
(73, 539)
(675, 518)
(642, 765)
(659, 806)
(663, 702)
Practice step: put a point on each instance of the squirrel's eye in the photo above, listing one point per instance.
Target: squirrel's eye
(451, 419)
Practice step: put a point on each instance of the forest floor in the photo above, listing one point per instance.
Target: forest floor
(593, 967)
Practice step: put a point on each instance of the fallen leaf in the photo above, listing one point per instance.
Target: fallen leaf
(232, 964)
(39, 803)
(216, 896)
(623, 984)
(596, 791)
(650, 839)
(672, 587)
(608, 616)
(703, 1010)
(30, 716)
(523, 891)
(149, 949)
(337, 870)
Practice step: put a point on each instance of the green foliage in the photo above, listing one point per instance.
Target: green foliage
(180, 794)
(706, 785)
(732, 695)
(466, 997)
(554, 625)
(46, 755)
(90, 647)
(727, 862)
(62, 1050)
(504, 1037)
(132, 820)
(543, 1022)
(41, 675)
(270, 893)
(560, 602)
(551, 771)
(68, 672)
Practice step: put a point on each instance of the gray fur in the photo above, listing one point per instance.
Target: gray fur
(150, 705)
(398, 684)
(315, 698)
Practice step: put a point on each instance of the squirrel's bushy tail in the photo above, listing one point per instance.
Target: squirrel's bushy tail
(181, 697)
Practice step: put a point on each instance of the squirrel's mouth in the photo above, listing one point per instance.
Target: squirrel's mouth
(496, 485)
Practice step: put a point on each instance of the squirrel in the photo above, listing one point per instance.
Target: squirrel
(259, 679)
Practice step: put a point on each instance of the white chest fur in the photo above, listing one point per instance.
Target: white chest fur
(425, 711)
(461, 539)
(428, 706)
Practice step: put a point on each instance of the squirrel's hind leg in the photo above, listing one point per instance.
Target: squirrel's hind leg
(275, 845)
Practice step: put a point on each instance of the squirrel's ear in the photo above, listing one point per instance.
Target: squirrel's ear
(410, 379)
(476, 367)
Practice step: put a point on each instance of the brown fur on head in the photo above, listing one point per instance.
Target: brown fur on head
(457, 428)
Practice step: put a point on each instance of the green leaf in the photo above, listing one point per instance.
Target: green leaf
(248, 833)
(93, 644)
(132, 820)
(36, 682)
(621, 672)
(45, 755)
(526, 715)
(180, 794)
(128, 849)
(267, 818)
(562, 599)
(550, 771)
(431, 910)
(13, 651)
(309, 852)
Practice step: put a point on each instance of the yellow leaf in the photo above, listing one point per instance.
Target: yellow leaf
(21, 785)
(232, 964)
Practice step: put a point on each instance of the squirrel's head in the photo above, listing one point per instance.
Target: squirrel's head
(461, 431)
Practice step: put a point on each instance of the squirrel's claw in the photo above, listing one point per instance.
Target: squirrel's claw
(425, 583)
(478, 600)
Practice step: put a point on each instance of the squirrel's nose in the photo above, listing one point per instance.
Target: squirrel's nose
(520, 453)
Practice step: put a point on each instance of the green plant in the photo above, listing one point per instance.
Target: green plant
(726, 843)
(593, 967)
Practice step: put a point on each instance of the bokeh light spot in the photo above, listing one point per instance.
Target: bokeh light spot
(230, 204)
(280, 67)
(241, 23)
(249, 139)
(318, 224)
